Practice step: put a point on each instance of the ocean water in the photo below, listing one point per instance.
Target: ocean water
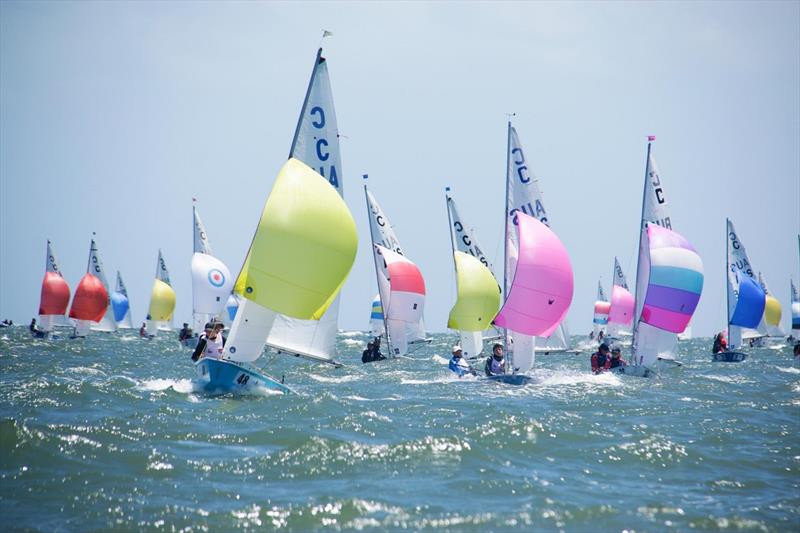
(111, 433)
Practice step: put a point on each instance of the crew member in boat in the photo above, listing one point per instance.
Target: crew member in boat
(458, 364)
(143, 330)
(720, 343)
(211, 342)
(797, 350)
(495, 364)
(373, 351)
(601, 360)
(616, 358)
(185, 333)
(36, 330)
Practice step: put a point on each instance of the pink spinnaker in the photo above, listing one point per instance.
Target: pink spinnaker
(542, 288)
(621, 306)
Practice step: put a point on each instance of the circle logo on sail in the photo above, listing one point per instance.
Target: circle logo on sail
(216, 278)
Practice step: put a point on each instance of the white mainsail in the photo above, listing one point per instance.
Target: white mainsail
(96, 266)
(384, 238)
(211, 280)
(315, 143)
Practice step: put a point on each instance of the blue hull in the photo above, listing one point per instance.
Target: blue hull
(230, 376)
(729, 357)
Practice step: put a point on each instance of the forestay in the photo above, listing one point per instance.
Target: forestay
(315, 143)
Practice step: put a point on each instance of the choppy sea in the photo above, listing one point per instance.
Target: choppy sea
(112, 433)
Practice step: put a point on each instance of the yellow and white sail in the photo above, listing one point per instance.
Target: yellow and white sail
(162, 299)
(301, 253)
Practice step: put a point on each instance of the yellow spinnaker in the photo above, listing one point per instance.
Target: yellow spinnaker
(478, 295)
(162, 301)
(772, 311)
(304, 246)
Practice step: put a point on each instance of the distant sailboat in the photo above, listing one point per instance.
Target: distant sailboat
(302, 251)
(523, 195)
(54, 298)
(90, 305)
(795, 298)
(601, 309)
(315, 143)
(121, 305)
(478, 293)
(162, 300)
(400, 284)
(772, 311)
(211, 280)
(376, 319)
(746, 298)
(620, 316)
(669, 280)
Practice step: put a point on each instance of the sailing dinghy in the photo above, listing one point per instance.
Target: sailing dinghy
(91, 303)
(54, 298)
(620, 316)
(401, 287)
(669, 281)
(478, 293)
(746, 298)
(600, 316)
(121, 305)
(211, 281)
(302, 251)
(772, 312)
(162, 300)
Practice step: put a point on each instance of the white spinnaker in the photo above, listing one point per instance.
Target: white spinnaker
(211, 285)
(739, 262)
(127, 321)
(315, 143)
(96, 267)
(650, 342)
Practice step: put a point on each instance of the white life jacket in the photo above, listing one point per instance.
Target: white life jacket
(213, 347)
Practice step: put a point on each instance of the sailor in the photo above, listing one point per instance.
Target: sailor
(720, 343)
(797, 350)
(600, 359)
(185, 332)
(616, 359)
(36, 330)
(495, 365)
(366, 355)
(210, 343)
(458, 364)
(143, 330)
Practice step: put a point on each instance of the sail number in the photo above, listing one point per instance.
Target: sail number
(464, 238)
(319, 121)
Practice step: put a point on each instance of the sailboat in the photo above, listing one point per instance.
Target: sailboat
(620, 316)
(54, 298)
(525, 196)
(376, 318)
(315, 143)
(121, 305)
(600, 317)
(401, 287)
(302, 251)
(795, 297)
(211, 280)
(772, 312)
(90, 305)
(746, 298)
(669, 280)
(162, 300)
(478, 296)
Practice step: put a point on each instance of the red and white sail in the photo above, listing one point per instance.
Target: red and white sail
(55, 294)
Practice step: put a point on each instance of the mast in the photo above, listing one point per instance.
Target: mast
(509, 357)
(639, 248)
(377, 274)
(305, 100)
(727, 282)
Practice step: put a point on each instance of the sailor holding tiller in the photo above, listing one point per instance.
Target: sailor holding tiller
(210, 343)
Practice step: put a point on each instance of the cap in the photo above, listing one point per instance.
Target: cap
(604, 346)
(209, 325)
(616, 349)
(457, 348)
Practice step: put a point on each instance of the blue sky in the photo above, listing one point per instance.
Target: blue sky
(113, 115)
